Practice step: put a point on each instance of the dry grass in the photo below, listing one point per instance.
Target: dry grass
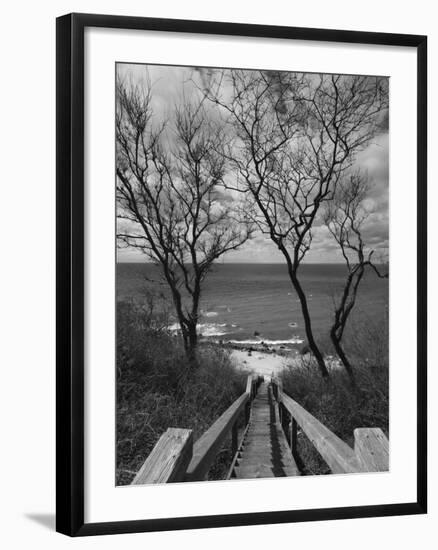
(157, 388)
(334, 402)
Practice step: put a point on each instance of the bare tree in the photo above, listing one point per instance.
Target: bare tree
(170, 196)
(345, 216)
(294, 137)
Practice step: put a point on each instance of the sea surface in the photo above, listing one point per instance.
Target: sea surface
(253, 303)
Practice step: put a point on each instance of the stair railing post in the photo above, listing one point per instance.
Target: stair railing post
(285, 424)
(249, 386)
(371, 447)
(274, 388)
(279, 389)
(247, 412)
(234, 439)
(293, 429)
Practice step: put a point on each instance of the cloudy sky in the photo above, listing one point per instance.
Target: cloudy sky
(167, 83)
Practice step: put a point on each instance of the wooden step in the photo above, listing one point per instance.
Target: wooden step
(264, 471)
(281, 449)
(264, 452)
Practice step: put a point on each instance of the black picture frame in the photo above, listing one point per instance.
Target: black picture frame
(70, 273)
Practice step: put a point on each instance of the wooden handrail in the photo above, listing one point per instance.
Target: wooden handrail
(370, 452)
(338, 455)
(175, 458)
(168, 460)
(210, 443)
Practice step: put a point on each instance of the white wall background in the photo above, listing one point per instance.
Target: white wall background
(27, 302)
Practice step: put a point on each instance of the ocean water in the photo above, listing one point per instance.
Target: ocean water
(256, 302)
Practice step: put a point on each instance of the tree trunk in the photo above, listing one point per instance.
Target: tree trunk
(341, 354)
(192, 341)
(188, 327)
(308, 325)
(342, 314)
(185, 337)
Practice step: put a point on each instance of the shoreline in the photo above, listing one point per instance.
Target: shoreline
(259, 362)
(259, 358)
(265, 361)
(283, 349)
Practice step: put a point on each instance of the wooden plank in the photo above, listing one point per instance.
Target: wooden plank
(234, 439)
(274, 388)
(278, 388)
(372, 449)
(210, 443)
(247, 412)
(237, 455)
(265, 464)
(259, 430)
(265, 452)
(249, 385)
(168, 460)
(254, 458)
(251, 450)
(293, 437)
(253, 472)
(263, 470)
(337, 454)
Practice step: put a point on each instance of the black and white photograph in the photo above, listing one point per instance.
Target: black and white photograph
(217, 284)
(252, 275)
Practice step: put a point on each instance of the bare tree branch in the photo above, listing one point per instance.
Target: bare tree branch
(345, 216)
(294, 137)
(172, 198)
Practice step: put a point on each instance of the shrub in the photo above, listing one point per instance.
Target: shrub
(334, 402)
(158, 388)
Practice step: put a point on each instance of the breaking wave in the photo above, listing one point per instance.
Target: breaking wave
(293, 340)
(207, 330)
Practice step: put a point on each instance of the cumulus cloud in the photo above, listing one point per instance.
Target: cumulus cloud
(373, 160)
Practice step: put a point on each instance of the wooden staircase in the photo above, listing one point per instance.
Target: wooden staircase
(266, 446)
(264, 451)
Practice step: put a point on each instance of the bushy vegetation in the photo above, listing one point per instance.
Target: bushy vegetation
(158, 388)
(334, 401)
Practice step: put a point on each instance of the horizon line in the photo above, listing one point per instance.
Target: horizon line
(236, 263)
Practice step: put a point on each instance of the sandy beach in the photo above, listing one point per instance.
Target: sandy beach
(260, 363)
(264, 364)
